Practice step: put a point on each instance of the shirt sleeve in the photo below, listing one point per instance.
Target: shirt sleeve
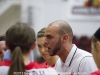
(87, 66)
(7, 55)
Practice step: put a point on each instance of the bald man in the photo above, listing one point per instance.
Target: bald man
(72, 61)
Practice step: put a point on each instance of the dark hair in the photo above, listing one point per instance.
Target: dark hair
(19, 38)
(2, 37)
(97, 33)
(41, 33)
(96, 37)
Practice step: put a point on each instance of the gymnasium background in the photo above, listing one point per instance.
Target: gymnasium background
(82, 15)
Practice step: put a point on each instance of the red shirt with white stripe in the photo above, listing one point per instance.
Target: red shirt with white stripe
(33, 68)
(44, 64)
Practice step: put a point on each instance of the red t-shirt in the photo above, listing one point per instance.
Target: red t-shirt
(96, 73)
(32, 67)
(46, 66)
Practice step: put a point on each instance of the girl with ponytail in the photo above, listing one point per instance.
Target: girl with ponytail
(20, 40)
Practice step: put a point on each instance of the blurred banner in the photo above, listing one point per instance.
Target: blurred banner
(88, 10)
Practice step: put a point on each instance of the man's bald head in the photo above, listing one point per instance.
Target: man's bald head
(64, 28)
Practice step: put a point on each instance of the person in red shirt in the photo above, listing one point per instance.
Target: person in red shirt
(95, 45)
(20, 40)
(50, 60)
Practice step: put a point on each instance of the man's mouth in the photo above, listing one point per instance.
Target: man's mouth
(48, 48)
(44, 54)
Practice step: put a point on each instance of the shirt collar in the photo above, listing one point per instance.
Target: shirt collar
(70, 55)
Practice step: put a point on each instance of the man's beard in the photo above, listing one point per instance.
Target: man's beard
(57, 47)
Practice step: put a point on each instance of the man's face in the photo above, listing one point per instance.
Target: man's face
(57, 47)
(52, 40)
(2, 49)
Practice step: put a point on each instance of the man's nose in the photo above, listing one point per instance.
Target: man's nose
(42, 50)
(45, 41)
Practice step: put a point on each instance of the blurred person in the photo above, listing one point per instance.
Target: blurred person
(73, 61)
(50, 60)
(95, 45)
(20, 40)
(7, 55)
(2, 47)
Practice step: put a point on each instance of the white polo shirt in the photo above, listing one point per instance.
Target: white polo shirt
(78, 62)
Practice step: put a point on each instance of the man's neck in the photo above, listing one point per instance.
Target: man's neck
(63, 54)
(26, 58)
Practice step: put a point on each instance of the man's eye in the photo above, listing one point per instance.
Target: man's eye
(49, 37)
(39, 46)
(45, 45)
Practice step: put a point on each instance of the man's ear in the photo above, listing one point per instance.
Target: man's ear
(98, 45)
(64, 38)
(6, 45)
(33, 46)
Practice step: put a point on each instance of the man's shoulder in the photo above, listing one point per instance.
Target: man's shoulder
(83, 53)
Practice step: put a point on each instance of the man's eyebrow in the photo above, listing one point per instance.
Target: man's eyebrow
(38, 45)
(48, 35)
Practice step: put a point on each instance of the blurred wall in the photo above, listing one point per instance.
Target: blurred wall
(9, 17)
(47, 11)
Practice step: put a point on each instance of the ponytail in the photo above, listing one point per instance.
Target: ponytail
(17, 64)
